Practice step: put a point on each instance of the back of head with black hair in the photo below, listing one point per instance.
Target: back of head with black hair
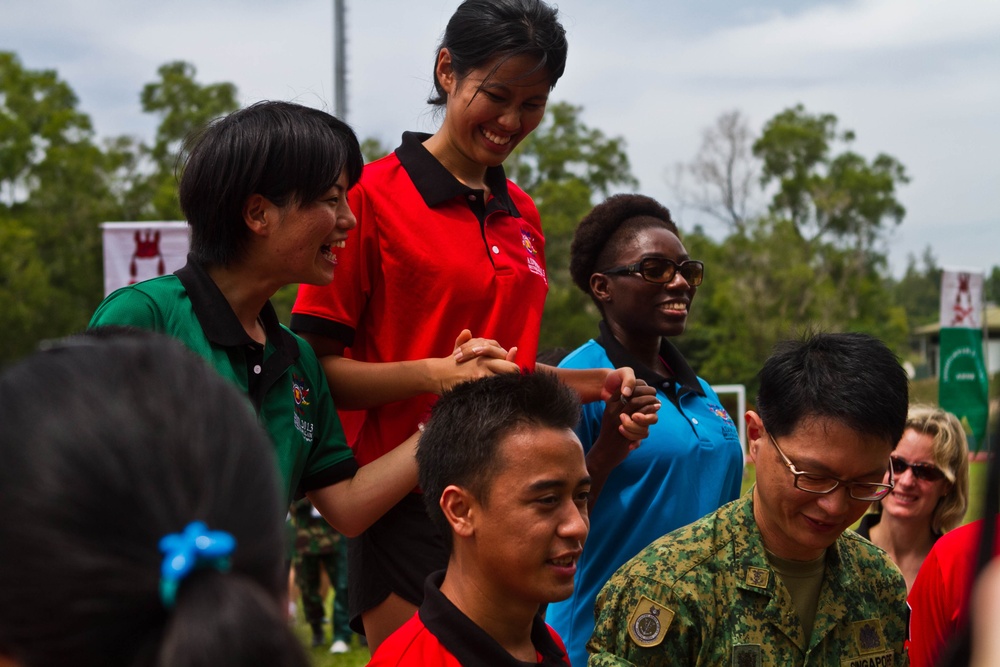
(110, 442)
(852, 378)
(609, 225)
(481, 32)
(286, 152)
(461, 442)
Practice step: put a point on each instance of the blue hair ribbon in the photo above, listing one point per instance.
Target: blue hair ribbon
(195, 548)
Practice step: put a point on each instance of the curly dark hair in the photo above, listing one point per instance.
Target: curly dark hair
(609, 226)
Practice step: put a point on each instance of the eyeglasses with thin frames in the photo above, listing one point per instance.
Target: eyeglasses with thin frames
(661, 270)
(823, 484)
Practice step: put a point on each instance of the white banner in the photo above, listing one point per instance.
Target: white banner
(137, 251)
(961, 299)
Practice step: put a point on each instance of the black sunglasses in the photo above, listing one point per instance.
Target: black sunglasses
(924, 471)
(662, 270)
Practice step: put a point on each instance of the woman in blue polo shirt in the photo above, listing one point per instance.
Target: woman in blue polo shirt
(627, 255)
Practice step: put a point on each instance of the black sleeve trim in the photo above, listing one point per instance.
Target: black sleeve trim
(301, 323)
(338, 472)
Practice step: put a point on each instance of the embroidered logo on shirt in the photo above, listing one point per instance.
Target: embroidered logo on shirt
(868, 635)
(528, 241)
(757, 577)
(728, 426)
(746, 655)
(300, 393)
(648, 622)
(300, 396)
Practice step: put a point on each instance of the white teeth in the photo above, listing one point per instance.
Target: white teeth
(495, 138)
(676, 306)
(562, 562)
(340, 244)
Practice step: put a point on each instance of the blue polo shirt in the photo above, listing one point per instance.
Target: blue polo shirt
(690, 465)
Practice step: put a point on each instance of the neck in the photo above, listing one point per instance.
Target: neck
(644, 348)
(508, 621)
(472, 174)
(900, 536)
(245, 295)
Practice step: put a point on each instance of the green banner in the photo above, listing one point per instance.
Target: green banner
(964, 386)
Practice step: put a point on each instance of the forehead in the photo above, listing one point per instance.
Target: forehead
(520, 71)
(915, 446)
(823, 444)
(534, 453)
(652, 240)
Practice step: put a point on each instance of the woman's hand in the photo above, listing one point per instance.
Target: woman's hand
(472, 358)
(625, 424)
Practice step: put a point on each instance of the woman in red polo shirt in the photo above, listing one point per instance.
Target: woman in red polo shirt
(445, 246)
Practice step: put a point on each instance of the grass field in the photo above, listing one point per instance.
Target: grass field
(359, 654)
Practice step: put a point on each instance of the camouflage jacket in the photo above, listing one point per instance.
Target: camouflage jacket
(706, 595)
(313, 535)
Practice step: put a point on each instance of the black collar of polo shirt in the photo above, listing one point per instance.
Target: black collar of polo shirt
(437, 185)
(469, 643)
(683, 375)
(222, 327)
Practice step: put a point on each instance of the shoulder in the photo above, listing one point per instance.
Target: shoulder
(588, 355)
(685, 553)
(412, 644)
(863, 561)
(136, 304)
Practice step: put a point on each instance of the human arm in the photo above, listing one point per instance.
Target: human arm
(624, 424)
(594, 384)
(358, 385)
(353, 504)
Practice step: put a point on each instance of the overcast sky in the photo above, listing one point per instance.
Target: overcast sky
(918, 79)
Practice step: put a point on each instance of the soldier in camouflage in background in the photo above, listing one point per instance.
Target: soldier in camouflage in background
(318, 545)
(773, 578)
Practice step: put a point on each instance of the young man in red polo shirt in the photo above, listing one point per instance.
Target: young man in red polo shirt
(505, 479)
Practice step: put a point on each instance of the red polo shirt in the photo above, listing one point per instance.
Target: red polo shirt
(428, 258)
(440, 635)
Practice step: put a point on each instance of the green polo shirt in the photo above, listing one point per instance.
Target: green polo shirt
(283, 379)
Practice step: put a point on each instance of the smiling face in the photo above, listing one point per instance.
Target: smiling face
(796, 524)
(915, 499)
(488, 115)
(303, 235)
(527, 533)
(635, 308)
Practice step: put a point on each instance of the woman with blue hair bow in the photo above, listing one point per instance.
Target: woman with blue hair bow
(140, 512)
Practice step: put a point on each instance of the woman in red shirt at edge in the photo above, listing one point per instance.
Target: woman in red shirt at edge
(445, 246)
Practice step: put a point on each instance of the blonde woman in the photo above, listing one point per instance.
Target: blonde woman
(931, 467)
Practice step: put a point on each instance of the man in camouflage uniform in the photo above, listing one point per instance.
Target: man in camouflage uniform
(318, 545)
(772, 578)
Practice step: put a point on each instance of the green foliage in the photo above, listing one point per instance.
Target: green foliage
(57, 185)
(372, 149)
(183, 106)
(844, 198)
(566, 167)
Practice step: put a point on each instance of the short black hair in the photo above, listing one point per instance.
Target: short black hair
(483, 30)
(461, 441)
(110, 441)
(609, 226)
(852, 378)
(286, 152)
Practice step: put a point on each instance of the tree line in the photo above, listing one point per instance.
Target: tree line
(813, 256)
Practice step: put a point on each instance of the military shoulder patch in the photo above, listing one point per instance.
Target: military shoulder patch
(649, 622)
(868, 636)
(747, 655)
(757, 577)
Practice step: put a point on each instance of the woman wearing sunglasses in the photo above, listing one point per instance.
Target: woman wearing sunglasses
(627, 255)
(931, 468)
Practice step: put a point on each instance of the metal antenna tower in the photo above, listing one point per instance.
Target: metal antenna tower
(339, 62)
